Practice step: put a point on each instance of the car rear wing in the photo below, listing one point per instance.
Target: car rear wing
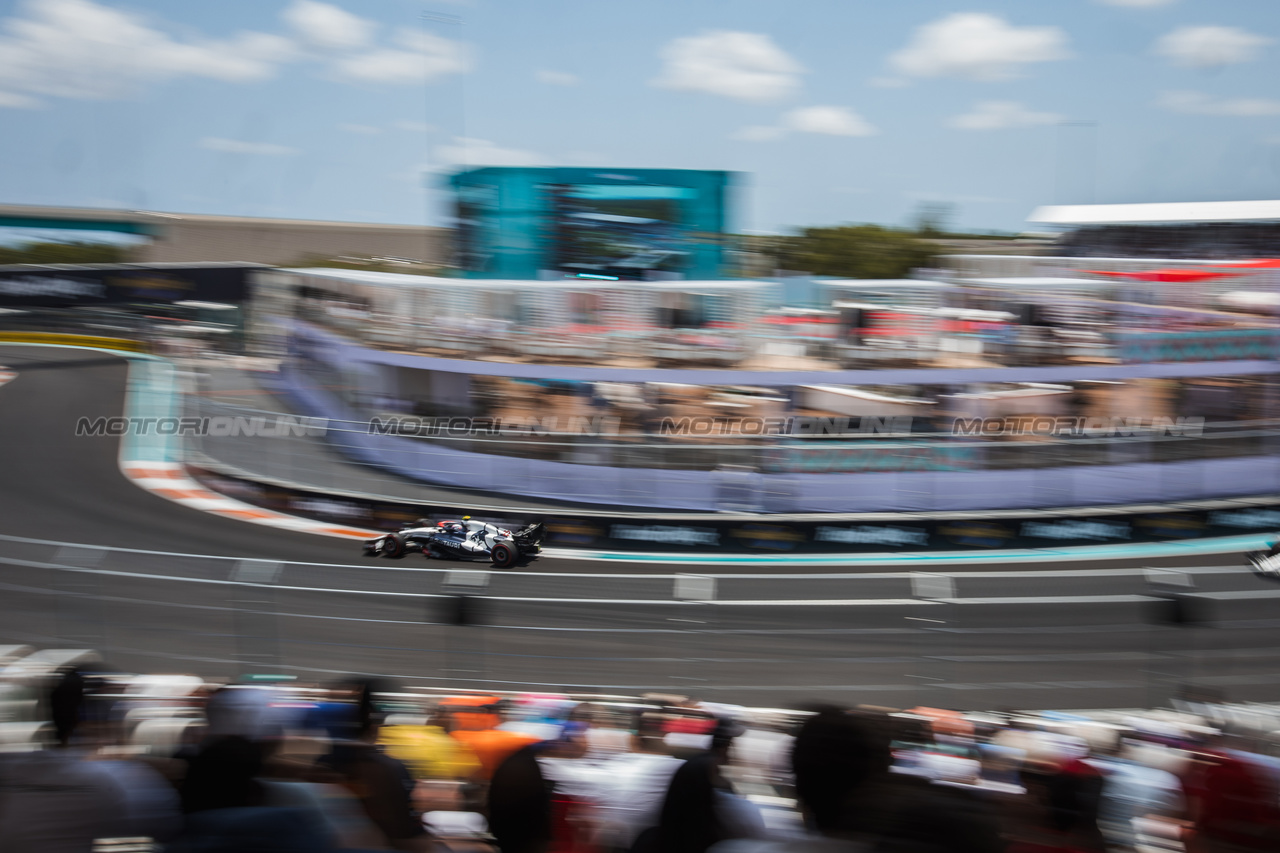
(530, 536)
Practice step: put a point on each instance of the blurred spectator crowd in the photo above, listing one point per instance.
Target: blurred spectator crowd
(109, 763)
(1199, 241)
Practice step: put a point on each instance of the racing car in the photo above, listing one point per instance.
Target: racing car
(465, 539)
(1266, 563)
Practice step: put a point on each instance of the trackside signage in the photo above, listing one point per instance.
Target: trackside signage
(56, 287)
(871, 534)
(666, 534)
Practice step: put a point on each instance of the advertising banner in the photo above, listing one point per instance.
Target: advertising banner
(34, 287)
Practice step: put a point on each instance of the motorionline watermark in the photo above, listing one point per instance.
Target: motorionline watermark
(507, 427)
(1093, 427)
(711, 425)
(279, 426)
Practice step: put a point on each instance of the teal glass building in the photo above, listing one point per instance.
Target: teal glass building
(610, 224)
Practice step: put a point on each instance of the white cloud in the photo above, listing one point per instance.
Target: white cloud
(79, 49)
(998, 115)
(420, 56)
(826, 120)
(16, 101)
(328, 27)
(482, 152)
(1138, 4)
(236, 146)
(556, 78)
(86, 50)
(1198, 103)
(832, 121)
(977, 46)
(364, 129)
(1210, 47)
(744, 66)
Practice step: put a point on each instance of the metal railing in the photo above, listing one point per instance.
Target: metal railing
(1098, 340)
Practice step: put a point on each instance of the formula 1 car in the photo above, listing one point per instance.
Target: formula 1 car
(1266, 563)
(465, 539)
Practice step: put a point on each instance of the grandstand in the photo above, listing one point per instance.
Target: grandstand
(1183, 230)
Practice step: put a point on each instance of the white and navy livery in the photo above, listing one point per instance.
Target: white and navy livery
(465, 539)
(1266, 563)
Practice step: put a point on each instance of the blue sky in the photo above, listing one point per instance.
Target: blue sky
(834, 110)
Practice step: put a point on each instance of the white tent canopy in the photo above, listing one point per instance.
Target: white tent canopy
(1157, 213)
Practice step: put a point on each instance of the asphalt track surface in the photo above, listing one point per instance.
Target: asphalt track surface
(1032, 636)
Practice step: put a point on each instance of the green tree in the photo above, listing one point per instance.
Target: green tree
(856, 251)
(71, 252)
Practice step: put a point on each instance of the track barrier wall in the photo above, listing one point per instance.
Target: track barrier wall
(744, 533)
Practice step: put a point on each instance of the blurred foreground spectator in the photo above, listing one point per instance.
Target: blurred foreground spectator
(300, 768)
(60, 800)
(533, 801)
(477, 722)
(700, 809)
(382, 783)
(634, 786)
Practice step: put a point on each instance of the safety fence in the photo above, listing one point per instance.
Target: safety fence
(893, 337)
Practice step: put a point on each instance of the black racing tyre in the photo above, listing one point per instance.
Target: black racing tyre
(393, 546)
(504, 555)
